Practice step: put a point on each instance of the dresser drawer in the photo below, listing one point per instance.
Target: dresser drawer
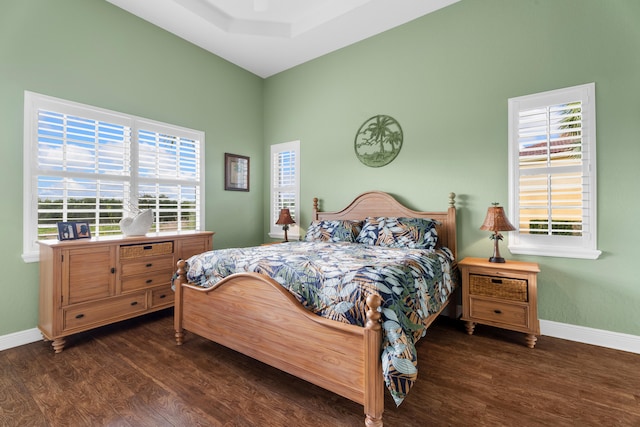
(146, 281)
(498, 287)
(162, 296)
(499, 312)
(145, 249)
(155, 265)
(102, 312)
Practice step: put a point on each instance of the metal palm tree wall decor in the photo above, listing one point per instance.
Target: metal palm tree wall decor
(378, 141)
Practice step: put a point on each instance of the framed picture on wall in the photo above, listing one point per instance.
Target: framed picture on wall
(236, 172)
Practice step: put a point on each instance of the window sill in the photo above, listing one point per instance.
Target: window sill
(555, 251)
(28, 257)
(280, 236)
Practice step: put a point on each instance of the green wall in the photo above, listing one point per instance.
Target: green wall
(92, 52)
(446, 78)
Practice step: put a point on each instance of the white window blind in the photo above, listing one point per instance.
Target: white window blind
(552, 178)
(92, 165)
(285, 185)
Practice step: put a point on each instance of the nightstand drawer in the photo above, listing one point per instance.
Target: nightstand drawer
(498, 287)
(505, 313)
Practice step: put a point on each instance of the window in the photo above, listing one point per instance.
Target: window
(552, 173)
(83, 163)
(285, 186)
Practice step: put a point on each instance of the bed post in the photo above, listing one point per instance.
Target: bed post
(373, 380)
(315, 209)
(177, 310)
(452, 238)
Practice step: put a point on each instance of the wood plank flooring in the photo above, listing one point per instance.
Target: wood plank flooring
(132, 374)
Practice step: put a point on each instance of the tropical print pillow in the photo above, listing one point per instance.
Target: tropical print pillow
(393, 232)
(333, 231)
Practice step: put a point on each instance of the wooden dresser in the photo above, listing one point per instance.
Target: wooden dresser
(89, 283)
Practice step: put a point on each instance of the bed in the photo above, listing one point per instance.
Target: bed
(245, 311)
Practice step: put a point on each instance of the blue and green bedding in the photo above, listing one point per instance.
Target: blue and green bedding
(333, 280)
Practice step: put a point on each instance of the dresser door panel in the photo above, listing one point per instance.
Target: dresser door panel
(89, 274)
(193, 246)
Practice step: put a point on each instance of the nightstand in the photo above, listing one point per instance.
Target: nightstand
(502, 295)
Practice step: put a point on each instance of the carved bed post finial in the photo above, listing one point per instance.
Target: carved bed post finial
(373, 315)
(315, 208)
(452, 200)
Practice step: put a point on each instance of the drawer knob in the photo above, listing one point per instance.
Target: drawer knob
(80, 316)
(149, 280)
(149, 265)
(134, 303)
(163, 296)
(497, 311)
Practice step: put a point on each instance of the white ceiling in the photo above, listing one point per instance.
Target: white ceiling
(266, 37)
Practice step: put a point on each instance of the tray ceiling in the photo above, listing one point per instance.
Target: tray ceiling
(266, 37)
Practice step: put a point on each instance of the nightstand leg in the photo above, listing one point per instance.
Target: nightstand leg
(470, 327)
(531, 340)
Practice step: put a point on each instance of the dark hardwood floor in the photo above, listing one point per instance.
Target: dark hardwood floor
(132, 374)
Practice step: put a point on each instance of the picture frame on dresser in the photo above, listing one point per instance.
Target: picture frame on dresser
(66, 231)
(82, 230)
(236, 172)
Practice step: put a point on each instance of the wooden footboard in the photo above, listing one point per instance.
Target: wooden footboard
(256, 316)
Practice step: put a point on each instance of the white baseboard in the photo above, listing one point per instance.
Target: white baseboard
(20, 338)
(599, 337)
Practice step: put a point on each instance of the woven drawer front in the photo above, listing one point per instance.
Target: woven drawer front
(498, 287)
(145, 249)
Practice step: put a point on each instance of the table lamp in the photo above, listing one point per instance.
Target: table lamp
(285, 220)
(496, 221)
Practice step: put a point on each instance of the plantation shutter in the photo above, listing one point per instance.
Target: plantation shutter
(552, 194)
(285, 186)
(82, 172)
(168, 178)
(284, 182)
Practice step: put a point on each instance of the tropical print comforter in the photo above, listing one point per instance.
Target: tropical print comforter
(334, 279)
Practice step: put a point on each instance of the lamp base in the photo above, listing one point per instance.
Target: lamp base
(496, 249)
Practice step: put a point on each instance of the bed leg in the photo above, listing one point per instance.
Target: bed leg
(179, 337)
(374, 384)
(177, 310)
(373, 422)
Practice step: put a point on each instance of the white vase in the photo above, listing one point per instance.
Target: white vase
(138, 225)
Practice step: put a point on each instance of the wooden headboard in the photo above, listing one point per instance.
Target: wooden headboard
(378, 203)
